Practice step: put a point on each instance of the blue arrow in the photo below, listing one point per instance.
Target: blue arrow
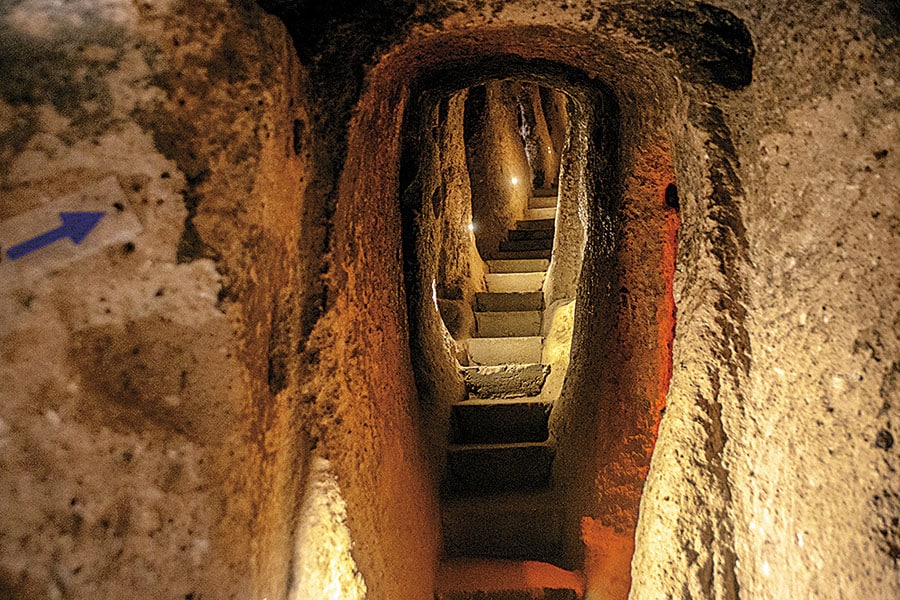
(75, 226)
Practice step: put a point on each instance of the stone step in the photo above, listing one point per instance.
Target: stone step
(531, 234)
(540, 213)
(545, 192)
(483, 469)
(502, 350)
(520, 245)
(504, 420)
(529, 593)
(508, 324)
(524, 526)
(527, 265)
(508, 301)
(542, 201)
(515, 282)
(471, 578)
(536, 224)
(501, 255)
(505, 381)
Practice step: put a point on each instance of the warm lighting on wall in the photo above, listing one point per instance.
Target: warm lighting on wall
(471, 226)
(607, 562)
(515, 180)
(434, 293)
(325, 569)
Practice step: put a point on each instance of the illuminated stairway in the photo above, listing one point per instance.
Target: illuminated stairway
(499, 504)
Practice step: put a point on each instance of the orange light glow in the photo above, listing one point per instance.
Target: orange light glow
(607, 560)
(665, 313)
(487, 575)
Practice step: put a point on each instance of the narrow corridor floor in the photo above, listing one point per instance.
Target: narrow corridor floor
(485, 579)
(501, 519)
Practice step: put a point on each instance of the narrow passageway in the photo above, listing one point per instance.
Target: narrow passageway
(499, 463)
(539, 304)
(502, 518)
(320, 346)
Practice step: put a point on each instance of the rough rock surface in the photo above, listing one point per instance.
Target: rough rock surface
(497, 165)
(160, 397)
(135, 405)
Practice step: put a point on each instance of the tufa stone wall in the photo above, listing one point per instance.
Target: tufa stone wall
(148, 441)
(162, 389)
(498, 168)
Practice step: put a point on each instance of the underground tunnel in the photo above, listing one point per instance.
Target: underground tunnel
(449, 300)
(476, 191)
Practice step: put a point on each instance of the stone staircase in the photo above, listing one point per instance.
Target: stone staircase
(499, 503)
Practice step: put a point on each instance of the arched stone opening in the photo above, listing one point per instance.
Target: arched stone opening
(609, 403)
(375, 174)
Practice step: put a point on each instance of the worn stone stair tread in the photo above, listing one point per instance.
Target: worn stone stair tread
(508, 301)
(525, 323)
(502, 420)
(531, 234)
(513, 526)
(542, 201)
(545, 192)
(497, 579)
(536, 594)
(505, 381)
(536, 224)
(504, 401)
(503, 255)
(515, 282)
(520, 245)
(481, 469)
(540, 213)
(498, 447)
(525, 265)
(501, 350)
